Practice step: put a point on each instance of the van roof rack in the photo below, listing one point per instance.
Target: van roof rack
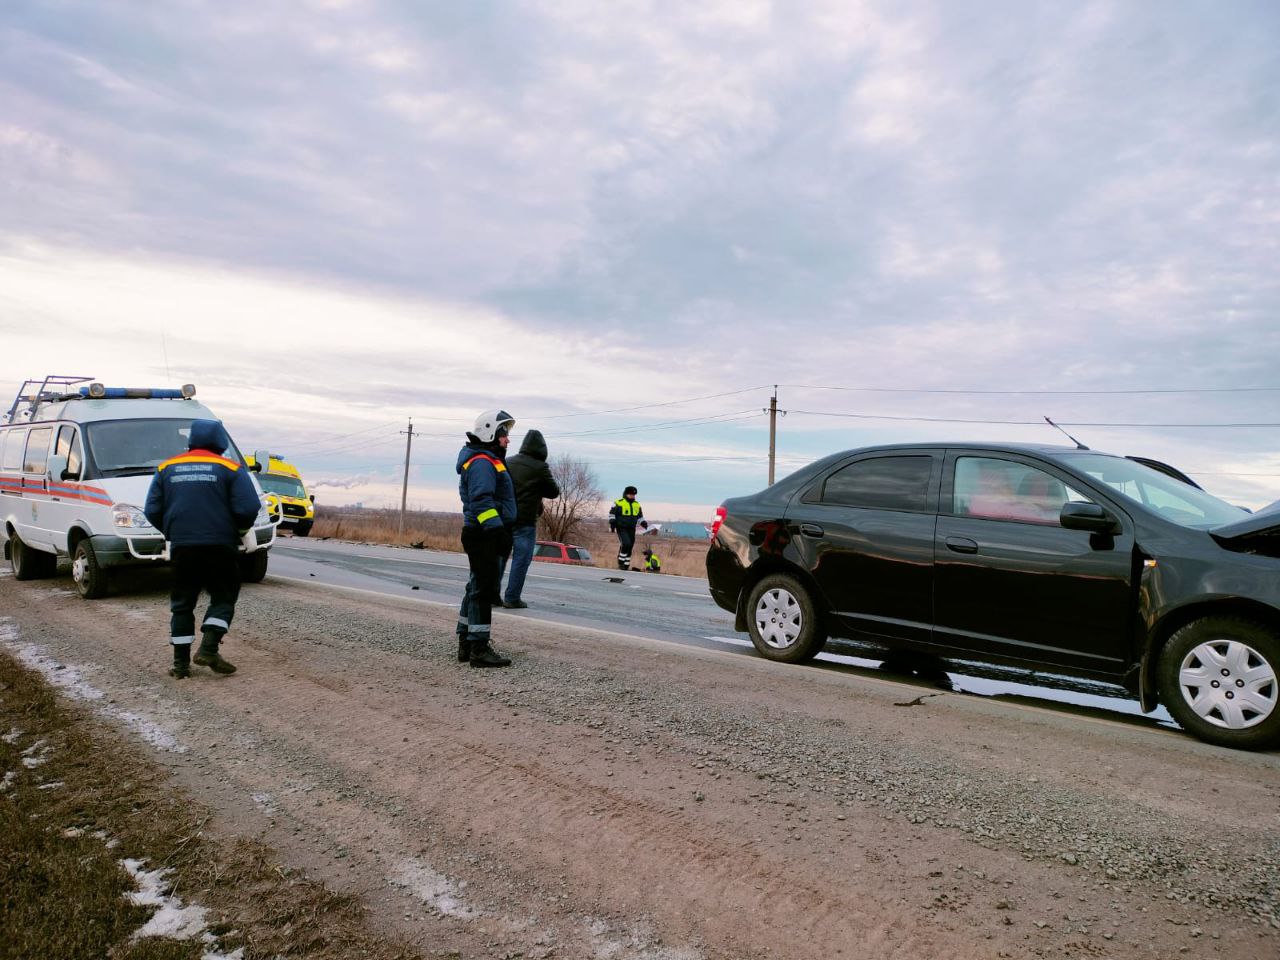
(34, 392)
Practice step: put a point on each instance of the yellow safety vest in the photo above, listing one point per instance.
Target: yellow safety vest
(628, 508)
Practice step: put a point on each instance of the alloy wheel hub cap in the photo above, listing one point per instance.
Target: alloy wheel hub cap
(778, 619)
(78, 569)
(1228, 684)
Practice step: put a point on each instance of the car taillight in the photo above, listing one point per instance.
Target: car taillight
(721, 513)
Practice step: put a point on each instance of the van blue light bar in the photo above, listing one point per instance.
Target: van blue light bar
(97, 391)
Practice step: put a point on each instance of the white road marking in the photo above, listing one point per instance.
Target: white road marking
(696, 596)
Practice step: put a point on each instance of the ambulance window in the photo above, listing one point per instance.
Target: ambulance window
(13, 450)
(37, 450)
(69, 447)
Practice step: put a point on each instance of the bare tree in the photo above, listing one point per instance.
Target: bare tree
(580, 495)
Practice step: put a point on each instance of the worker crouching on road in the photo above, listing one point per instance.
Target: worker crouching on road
(203, 503)
(624, 516)
(652, 562)
(488, 508)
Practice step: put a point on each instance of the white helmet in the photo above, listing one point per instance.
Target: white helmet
(490, 422)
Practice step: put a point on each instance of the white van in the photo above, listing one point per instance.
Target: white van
(75, 465)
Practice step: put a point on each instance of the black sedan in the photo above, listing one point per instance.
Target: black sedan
(1047, 558)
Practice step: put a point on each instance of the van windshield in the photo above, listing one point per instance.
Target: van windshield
(282, 486)
(134, 448)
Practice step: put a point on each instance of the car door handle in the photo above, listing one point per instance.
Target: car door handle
(811, 530)
(962, 545)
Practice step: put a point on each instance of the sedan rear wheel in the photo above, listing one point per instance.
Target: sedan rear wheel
(1218, 677)
(782, 620)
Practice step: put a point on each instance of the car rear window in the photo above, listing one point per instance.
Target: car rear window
(885, 483)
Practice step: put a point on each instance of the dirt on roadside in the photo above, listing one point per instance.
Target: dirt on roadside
(609, 797)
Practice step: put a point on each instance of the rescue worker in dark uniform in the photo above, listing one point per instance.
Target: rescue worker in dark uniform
(488, 509)
(624, 515)
(203, 503)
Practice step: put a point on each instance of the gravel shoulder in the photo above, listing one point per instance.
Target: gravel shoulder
(612, 797)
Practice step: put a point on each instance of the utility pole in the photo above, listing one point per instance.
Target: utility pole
(773, 412)
(404, 490)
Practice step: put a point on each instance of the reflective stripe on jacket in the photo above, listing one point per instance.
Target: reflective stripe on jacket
(485, 488)
(626, 513)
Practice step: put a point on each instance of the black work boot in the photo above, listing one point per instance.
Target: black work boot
(464, 648)
(483, 655)
(208, 656)
(181, 668)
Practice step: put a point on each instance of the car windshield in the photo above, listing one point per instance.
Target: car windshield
(124, 448)
(282, 486)
(1163, 495)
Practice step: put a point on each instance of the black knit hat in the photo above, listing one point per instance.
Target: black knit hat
(631, 490)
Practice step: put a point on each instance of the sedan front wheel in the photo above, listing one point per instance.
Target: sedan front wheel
(1218, 677)
(782, 620)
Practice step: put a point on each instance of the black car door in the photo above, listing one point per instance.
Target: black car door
(1011, 581)
(865, 530)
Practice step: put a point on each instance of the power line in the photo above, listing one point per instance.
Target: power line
(1026, 423)
(1034, 393)
(646, 406)
(670, 424)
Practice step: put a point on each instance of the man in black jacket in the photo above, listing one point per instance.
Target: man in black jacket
(202, 501)
(534, 483)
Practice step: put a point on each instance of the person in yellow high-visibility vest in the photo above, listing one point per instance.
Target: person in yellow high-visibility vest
(624, 516)
(652, 562)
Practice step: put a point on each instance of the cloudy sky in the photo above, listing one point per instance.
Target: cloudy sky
(333, 216)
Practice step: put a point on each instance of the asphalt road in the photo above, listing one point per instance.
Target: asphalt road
(661, 607)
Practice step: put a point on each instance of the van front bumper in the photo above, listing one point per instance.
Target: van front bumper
(113, 551)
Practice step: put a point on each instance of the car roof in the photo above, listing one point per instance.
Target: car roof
(1048, 450)
(93, 410)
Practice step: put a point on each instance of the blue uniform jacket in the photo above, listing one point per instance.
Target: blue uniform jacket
(488, 496)
(201, 498)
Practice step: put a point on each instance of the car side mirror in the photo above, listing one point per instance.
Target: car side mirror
(313, 498)
(261, 460)
(57, 467)
(1088, 516)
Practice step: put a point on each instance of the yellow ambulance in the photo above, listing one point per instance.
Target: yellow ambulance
(282, 483)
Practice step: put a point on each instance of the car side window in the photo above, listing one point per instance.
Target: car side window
(546, 550)
(885, 483)
(1007, 490)
(573, 553)
(13, 450)
(37, 450)
(69, 447)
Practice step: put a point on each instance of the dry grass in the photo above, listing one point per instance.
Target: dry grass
(440, 531)
(62, 889)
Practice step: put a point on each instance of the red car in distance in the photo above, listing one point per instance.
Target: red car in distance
(552, 552)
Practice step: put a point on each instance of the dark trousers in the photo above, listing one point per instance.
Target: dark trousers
(215, 570)
(485, 552)
(626, 541)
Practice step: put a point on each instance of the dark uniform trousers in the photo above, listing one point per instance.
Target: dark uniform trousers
(214, 569)
(485, 550)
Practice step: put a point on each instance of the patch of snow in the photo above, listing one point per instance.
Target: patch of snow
(9, 779)
(635, 944)
(236, 954)
(69, 680)
(12, 736)
(171, 919)
(264, 802)
(435, 890)
(51, 785)
(36, 754)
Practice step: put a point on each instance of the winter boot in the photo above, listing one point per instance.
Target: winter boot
(464, 648)
(181, 668)
(483, 655)
(207, 655)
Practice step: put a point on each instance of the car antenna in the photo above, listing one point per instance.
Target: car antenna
(1079, 445)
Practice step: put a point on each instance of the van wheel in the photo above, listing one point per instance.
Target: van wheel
(782, 620)
(303, 528)
(1218, 677)
(29, 563)
(253, 566)
(90, 578)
